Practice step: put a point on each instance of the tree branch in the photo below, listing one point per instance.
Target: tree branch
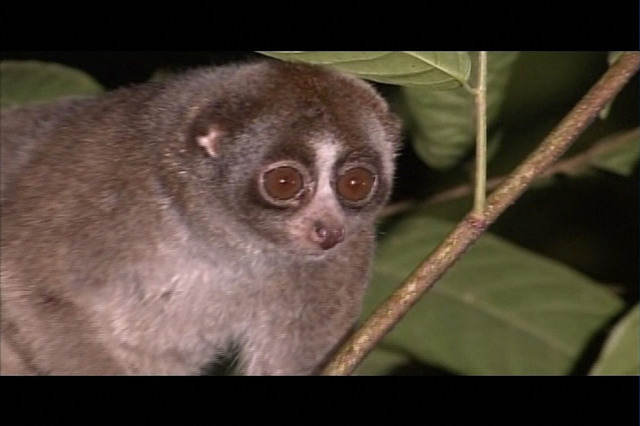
(474, 224)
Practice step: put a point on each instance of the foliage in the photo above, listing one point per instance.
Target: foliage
(621, 352)
(437, 70)
(33, 81)
(502, 309)
(530, 297)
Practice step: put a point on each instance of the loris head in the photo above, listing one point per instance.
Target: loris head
(298, 159)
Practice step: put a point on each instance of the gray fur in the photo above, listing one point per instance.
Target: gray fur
(129, 248)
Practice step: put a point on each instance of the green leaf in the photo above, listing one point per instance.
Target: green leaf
(623, 159)
(500, 310)
(613, 56)
(435, 70)
(383, 359)
(442, 122)
(621, 353)
(33, 81)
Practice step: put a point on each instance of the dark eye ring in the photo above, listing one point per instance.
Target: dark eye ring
(356, 184)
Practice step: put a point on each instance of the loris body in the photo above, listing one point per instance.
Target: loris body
(145, 231)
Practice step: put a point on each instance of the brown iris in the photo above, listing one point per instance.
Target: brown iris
(283, 183)
(356, 184)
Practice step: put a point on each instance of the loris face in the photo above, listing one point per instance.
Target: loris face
(311, 168)
(317, 201)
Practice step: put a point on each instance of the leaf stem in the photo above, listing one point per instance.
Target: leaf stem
(481, 136)
(471, 228)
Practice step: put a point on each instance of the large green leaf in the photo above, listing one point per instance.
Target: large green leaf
(621, 353)
(34, 81)
(500, 310)
(442, 122)
(433, 70)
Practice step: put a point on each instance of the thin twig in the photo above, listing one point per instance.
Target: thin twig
(473, 225)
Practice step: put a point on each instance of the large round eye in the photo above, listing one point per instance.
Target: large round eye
(356, 184)
(282, 183)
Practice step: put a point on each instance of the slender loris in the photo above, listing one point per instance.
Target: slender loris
(146, 230)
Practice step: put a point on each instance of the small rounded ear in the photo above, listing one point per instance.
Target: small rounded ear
(207, 130)
(210, 140)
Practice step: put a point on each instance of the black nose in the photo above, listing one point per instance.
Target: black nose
(327, 236)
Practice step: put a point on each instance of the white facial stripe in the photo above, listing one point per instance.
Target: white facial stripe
(324, 206)
(326, 156)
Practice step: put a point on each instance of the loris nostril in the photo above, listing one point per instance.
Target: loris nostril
(321, 231)
(328, 237)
